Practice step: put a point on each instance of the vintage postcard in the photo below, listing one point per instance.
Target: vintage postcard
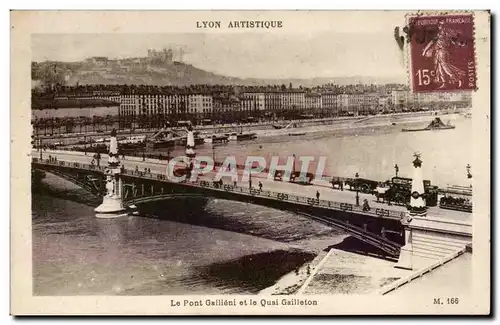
(250, 162)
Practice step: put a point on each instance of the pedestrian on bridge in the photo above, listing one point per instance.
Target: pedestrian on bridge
(317, 195)
(260, 186)
(366, 206)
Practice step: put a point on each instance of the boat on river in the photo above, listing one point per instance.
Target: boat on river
(436, 124)
(242, 136)
(217, 138)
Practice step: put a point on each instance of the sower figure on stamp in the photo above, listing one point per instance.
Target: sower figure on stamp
(439, 48)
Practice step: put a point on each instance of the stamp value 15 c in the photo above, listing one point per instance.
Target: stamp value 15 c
(442, 53)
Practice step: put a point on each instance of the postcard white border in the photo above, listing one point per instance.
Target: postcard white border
(24, 303)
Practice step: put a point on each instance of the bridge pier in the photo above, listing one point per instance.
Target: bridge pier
(112, 203)
(417, 207)
(429, 239)
(405, 260)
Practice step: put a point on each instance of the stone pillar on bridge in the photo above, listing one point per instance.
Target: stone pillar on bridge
(112, 204)
(190, 147)
(417, 208)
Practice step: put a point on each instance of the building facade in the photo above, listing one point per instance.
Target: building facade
(313, 103)
(149, 106)
(258, 98)
(329, 102)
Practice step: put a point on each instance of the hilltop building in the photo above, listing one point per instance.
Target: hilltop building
(165, 56)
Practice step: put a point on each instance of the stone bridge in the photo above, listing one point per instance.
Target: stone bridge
(381, 228)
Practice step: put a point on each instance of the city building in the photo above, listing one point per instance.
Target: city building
(312, 103)
(249, 105)
(200, 105)
(343, 105)
(404, 100)
(329, 103)
(153, 106)
(165, 56)
(292, 100)
(258, 98)
(401, 98)
(272, 102)
(226, 108)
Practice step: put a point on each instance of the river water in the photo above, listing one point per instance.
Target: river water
(212, 246)
(371, 152)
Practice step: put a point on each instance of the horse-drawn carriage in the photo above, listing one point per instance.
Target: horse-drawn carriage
(398, 191)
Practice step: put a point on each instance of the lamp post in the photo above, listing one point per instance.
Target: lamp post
(249, 178)
(469, 175)
(357, 189)
(396, 168)
(85, 144)
(213, 152)
(40, 147)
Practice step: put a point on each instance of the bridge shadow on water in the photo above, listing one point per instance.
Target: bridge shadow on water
(238, 217)
(252, 273)
(354, 245)
(61, 190)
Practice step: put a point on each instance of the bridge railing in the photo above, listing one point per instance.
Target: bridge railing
(69, 164)
(279, 196)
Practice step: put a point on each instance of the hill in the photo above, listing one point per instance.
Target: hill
(139, 71)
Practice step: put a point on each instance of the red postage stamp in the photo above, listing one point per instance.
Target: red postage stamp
(442, 53)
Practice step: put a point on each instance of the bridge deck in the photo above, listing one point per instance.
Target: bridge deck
(325, 190)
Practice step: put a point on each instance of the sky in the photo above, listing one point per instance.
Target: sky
(250, 55)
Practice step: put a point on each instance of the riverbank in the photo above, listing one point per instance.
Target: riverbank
(340, 268)
(291, 283)
(262, 129)
(374, 122)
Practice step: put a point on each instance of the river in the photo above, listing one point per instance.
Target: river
(371, 152)
(213, 246)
